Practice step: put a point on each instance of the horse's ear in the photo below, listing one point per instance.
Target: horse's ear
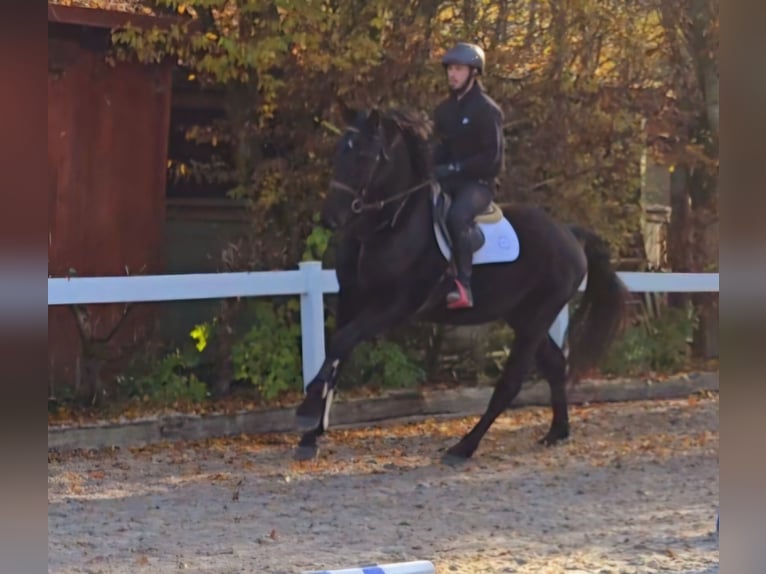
(348, 114)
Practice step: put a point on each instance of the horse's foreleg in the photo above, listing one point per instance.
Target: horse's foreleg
(348, 308)
(369, 322)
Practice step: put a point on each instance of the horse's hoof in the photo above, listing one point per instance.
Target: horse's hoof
(453, 460)
(456, 455)
(553, 438)
(306, 452)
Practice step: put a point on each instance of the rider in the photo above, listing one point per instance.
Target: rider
(469, 156)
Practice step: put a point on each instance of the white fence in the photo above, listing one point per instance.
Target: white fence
(310, 282)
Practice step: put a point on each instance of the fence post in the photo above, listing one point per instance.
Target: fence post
(559, 328)
(312, 319)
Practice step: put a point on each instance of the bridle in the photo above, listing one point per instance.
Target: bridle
(359, 205)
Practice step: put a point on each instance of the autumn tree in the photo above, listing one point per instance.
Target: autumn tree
(569, 74)
(691, 39)
(577, 79)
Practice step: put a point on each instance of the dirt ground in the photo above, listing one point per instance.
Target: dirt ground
(634, 490)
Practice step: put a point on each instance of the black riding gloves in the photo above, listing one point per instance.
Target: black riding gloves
(443, 171)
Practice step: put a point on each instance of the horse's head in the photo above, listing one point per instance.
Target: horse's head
(370, 170)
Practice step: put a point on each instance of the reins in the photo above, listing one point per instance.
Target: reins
(359, 206)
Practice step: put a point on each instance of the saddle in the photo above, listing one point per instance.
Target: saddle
(442, 202)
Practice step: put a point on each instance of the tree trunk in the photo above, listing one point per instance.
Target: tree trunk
(705, 259)
(692, 31)
(703, 47)
(679, 231)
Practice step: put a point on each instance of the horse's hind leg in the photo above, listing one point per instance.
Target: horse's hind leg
(531, 330)
(506, 389)
(552, 365)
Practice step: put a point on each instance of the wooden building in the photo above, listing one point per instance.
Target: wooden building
(107, 162)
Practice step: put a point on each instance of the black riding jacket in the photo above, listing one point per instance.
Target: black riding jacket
(469, 134)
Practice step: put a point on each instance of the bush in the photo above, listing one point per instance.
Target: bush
(382, 362)
(269, 354)
(653, 344)
(165, 382)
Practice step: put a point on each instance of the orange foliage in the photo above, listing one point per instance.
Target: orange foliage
(131, 6)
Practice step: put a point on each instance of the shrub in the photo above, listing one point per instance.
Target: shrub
(654, 343)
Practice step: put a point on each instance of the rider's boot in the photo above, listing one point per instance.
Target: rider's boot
(461, 295)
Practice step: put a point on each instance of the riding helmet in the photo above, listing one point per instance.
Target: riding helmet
(466, 54)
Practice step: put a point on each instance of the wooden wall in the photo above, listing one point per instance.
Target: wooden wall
(107, 158)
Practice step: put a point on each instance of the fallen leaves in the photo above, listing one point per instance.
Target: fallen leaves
(248, 401)
(612, 434)
(693, 401)
(277, 502)
(240, 401)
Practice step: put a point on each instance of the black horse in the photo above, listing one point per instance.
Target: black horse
(390, 270)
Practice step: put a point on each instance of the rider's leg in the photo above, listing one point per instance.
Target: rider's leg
(468, 200)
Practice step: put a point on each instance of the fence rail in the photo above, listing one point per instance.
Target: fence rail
(310, 282)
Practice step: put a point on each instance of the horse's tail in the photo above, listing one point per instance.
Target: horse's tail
(600, 316)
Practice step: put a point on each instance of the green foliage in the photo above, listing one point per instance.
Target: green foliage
(654, 344)
(201, 334)
(167, 381)
(384, 363)
(269, 354)
(316, 243)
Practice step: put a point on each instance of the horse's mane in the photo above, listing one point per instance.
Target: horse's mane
(417, 130)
